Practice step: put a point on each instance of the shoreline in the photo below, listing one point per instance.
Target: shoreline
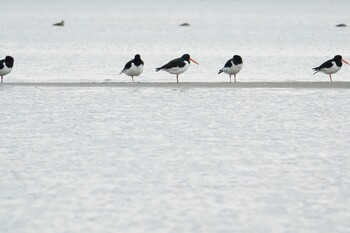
(297, 85)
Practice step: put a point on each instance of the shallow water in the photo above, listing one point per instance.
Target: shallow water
(173, 158)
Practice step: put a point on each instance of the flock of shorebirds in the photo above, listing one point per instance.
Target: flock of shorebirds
(179, 65)
(232, 67)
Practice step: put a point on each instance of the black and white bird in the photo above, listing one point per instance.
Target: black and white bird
(6, 66)
(178, 65)
(232, 66)
(134, 67)
(331, 66)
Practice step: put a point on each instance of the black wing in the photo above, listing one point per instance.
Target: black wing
(127, 66)
(178, 62)
(327, 64)
(228, 63)
(2, 62)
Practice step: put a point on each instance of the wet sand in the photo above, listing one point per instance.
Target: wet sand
(298, 85)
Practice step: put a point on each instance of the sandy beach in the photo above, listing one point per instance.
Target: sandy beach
(297, 85)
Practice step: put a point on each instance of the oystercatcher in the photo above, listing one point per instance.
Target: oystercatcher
(133, 67)
(177, 66)
(331, 66)
(6, 66)
(232, 66)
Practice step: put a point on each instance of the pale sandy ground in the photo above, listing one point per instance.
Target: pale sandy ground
(345, 85)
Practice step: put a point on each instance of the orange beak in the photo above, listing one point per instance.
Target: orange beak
(345, 61)
(198, 64)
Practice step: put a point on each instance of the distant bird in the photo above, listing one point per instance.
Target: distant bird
(331, 66)
(341, 25)
(6, 66)
(184, 25)
(177, 66)
(232, 66)
(134, 67)
(59, 24)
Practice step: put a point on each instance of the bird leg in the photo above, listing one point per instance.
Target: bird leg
(2, 78)
(330, 76)
(177, 78)
(230, 78)
(234, 77)
(132, 77)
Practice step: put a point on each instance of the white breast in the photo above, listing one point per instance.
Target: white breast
(134, 70)
(234, 69)
(5, 71)
(178, 70)
(333, 69)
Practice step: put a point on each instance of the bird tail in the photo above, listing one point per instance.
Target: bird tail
(316, 69)
(158, 69)
(220, 71)
(121, 72)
